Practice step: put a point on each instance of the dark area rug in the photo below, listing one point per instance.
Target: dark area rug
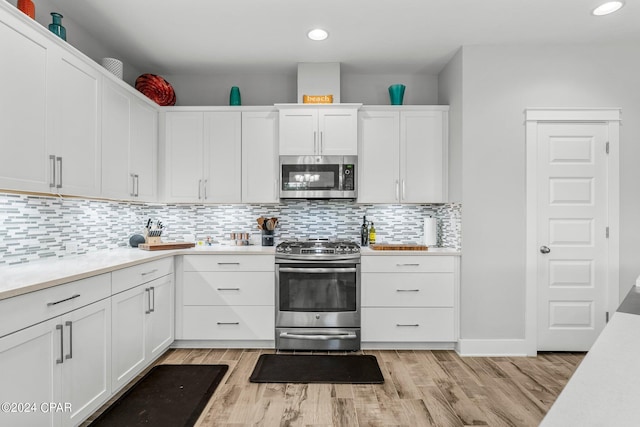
(312, 368)
(168, 395)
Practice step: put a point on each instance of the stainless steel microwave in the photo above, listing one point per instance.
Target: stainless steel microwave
(318, 177)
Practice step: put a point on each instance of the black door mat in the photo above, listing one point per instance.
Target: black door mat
(312, 368)
(168, 395)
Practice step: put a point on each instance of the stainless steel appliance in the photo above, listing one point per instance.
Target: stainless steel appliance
(318, 177)
(317, 295)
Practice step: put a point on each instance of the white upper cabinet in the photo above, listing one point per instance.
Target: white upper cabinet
(260, 157)
(129, 145)
(143, 150)
(202, 156)
(116, 139)
(51, 126)
(23, 108)
(309, 130)
(75, 109)
(403, 154)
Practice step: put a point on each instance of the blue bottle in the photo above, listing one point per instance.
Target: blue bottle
(56, 26)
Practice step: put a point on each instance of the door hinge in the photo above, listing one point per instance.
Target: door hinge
(606, 317)
(607, 232)
(607, 147)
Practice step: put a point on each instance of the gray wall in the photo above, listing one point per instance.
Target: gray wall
(499, 83)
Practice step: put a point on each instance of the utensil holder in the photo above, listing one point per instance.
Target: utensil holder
(267, 237)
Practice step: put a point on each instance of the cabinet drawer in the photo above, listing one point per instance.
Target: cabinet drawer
(408, 324)
(235, 262)
(229, 288)
(130, 277)
(28, 309)
(407, 290)
(229, 323)
(407, 264)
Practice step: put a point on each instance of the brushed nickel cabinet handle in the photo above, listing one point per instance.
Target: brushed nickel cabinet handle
(52, 183)
(61, 359)
(148, 301)
(228, 323)
(59, 160)
(70, 325)
(413, 325)
(49, 304)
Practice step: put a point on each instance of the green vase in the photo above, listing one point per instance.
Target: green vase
(56, 26)
(234, 96)
(396, 93)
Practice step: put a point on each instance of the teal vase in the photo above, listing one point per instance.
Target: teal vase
(56, 26)
(396, 93)
(234, 96)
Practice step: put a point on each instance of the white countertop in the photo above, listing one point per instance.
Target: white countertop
(33, 276)
(366, 251)
(605, 388)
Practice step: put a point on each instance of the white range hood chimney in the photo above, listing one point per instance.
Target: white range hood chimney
(318, 79)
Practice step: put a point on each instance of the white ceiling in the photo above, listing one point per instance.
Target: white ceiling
(381, 36)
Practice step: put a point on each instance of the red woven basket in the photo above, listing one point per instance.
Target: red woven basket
(157, 89)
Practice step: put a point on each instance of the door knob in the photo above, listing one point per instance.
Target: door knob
(544, 250)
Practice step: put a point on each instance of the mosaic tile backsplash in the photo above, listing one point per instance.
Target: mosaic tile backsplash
(35, 227)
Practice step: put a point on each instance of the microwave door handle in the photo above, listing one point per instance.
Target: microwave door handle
(318, 270)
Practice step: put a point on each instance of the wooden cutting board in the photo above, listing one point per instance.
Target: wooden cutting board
(398, 247)
(166, 246)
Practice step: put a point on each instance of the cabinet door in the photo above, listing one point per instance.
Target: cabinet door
(30, 373)
(143, 151)
(160, 330)
(116, 127)
(298, 132)
(184, 156)
(338, 132)
(24, 159)
(128, 335)
(86, 370)
(378, 160)
(223, 153)
(422, 146)
(260, 157)
(75, 109)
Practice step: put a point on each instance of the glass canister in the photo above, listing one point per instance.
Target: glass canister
(56, 26)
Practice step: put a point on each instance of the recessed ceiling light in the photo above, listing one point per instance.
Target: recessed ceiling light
(317, 34)
(607, 8)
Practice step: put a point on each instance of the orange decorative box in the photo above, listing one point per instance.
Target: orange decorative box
(317, 99)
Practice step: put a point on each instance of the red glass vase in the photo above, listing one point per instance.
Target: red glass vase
(27, 7)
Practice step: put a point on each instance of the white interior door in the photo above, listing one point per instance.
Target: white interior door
(572, 232)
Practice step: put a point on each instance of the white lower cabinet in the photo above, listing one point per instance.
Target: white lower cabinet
(58, 372)
(143, 319)
(228, 297)
(409, 299)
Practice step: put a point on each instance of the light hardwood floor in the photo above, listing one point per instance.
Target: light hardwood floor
(421, 388)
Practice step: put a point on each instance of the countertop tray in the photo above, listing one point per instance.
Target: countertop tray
(397, 247)
(165, 246)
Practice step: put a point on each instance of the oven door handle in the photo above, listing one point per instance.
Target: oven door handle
(319, 337)
(317, 270)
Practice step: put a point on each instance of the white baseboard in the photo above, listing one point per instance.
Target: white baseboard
(492, 347)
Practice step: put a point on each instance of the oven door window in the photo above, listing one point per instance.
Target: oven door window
(310, 177)
(317, 289)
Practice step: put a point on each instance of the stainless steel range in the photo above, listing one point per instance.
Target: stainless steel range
(318, 295)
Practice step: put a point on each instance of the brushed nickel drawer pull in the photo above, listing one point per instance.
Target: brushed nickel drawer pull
(155, 270)
(228, 263)
(408, 325)
(228, 323)
(49, 304)
(228, 289)
(407, 290)
(408, 265)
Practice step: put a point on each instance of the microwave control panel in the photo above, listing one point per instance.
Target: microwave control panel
(348, 177)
